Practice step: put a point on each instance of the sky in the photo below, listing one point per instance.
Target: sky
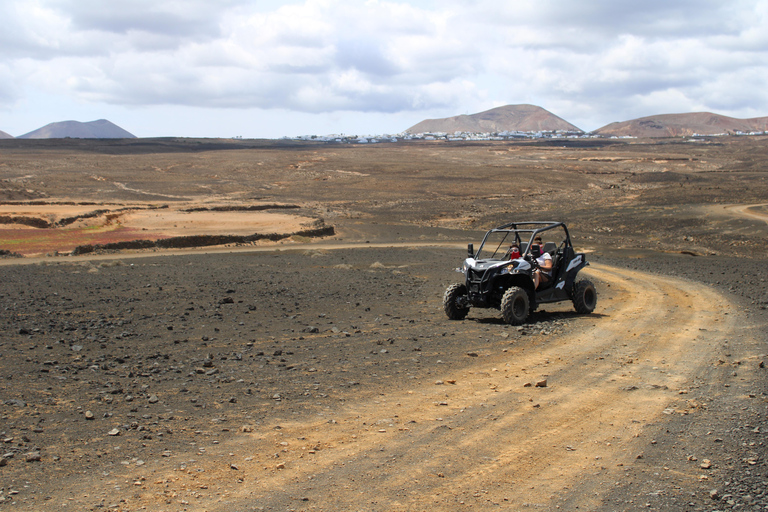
(268, 69)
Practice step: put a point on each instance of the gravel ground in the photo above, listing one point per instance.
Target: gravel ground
(727, 439)
(115, 364)
(127, 381)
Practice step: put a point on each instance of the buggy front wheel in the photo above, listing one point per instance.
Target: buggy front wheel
(515, 306)
(453, 302)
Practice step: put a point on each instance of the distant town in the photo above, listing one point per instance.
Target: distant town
(487, 136)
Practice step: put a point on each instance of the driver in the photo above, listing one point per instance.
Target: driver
(543, 272)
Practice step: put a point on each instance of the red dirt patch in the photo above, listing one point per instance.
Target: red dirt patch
(40, 241)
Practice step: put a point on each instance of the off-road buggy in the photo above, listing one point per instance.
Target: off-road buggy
(498, 278)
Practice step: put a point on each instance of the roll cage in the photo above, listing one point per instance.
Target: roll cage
(499, 239)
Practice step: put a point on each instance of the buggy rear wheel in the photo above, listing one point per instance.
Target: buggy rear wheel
(454, 309)
(584, 297)
(515, 306)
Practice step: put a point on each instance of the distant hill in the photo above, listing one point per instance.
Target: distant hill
(523, 118)
(4, 135)
(101, 129)
(679, 125)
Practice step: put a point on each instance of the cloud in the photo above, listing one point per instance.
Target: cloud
(594, 59)
(172, 19)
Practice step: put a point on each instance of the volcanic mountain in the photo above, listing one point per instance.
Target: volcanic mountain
(101, 129)
(4, 135)
(680, 125)
(522, 118)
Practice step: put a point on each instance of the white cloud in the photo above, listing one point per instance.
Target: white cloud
(598, 61)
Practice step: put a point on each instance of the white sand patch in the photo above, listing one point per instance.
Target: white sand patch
(177, 223)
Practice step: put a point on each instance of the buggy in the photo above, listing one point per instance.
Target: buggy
(495, 277)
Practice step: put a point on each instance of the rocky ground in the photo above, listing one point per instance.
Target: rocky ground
(186, 382)
(733, 425)
(323, 375)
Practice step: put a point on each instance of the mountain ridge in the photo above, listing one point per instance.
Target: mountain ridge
(522, 118)
(99, 129)
(681, 125)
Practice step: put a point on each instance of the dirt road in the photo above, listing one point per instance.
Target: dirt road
(753, 211)
(487, 439)
(540, 421)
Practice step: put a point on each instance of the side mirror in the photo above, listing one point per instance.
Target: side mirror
(471, 250)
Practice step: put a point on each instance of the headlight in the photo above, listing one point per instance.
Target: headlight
(463, 268)
(509, 268)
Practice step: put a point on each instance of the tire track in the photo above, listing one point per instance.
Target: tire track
(483, 438)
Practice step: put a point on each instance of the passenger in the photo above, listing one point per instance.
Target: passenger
(514, 251)
(543, 274)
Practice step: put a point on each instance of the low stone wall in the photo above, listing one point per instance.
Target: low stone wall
(34, 222)
(183, 242)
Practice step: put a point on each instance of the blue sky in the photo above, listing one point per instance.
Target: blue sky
(222, 68)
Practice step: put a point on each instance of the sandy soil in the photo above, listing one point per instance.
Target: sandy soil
(75, 225)
(325, 376)
(756, 211)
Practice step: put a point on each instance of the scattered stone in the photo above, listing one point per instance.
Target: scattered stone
(113, 432)
(706, 464)
(153, 399)
(541, 383)
(714, 494)
(32, 457)
(472, 354)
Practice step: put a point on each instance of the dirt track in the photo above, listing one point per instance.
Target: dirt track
(484, 438)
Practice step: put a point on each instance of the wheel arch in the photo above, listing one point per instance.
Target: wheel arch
(521, 281)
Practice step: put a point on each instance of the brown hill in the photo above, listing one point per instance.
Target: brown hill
(681, 125)
(522, 118)
(101, 129)
(4, 135)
